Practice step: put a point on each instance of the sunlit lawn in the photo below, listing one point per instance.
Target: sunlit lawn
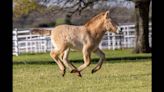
(115, 75)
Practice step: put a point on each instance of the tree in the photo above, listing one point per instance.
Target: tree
(22, 8)
(142, 26)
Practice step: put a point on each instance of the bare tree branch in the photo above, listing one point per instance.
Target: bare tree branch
(73, 6)
(81, 5)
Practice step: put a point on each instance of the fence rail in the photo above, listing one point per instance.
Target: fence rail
(25, 42)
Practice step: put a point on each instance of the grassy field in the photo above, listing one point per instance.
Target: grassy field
(38, 73)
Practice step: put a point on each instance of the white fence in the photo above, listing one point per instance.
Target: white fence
(25, 42)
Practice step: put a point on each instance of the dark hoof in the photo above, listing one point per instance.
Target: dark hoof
(74, 71)
(63, 73)
(79, 74)
(93, 71)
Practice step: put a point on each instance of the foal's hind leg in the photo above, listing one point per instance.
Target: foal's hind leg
(67, 63)
(54, 54)
(100, 62)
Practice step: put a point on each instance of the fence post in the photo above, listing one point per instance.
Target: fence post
(121, 39)
(26, 44)
(46, 48)
(45, 44)
(108, 34)
(128, 35)
(16, 42)
(31, 46)
(114, 41)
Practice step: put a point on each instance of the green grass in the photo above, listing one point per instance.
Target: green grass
(77, 56)
(114, 76)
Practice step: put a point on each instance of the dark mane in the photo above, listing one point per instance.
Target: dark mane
(94, 18)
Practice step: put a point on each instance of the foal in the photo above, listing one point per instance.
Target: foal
(85, 38)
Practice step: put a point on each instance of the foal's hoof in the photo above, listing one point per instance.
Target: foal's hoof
(79, 74)
(93, 71)
(63, 73)
(74, 71)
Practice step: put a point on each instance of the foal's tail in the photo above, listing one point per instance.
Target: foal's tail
(41, 31)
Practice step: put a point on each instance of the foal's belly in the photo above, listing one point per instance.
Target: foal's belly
(79, 45)
(75, 45)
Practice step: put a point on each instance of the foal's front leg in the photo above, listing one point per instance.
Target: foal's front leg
(100, 62)
(86, 56)
(68, 64)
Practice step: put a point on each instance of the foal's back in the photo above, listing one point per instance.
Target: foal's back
(69, 36)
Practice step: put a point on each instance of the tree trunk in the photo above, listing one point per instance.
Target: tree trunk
(142, 27)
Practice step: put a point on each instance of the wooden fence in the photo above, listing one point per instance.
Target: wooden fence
(25, 42)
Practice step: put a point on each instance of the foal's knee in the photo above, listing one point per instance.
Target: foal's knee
(87, 63)
(53, 54)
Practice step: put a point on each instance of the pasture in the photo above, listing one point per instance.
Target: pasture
(121, 72)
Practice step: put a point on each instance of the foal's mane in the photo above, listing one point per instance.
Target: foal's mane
(94, 18)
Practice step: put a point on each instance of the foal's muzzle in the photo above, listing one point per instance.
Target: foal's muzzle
(118, 30)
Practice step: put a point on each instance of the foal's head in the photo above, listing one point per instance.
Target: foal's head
(109, 25)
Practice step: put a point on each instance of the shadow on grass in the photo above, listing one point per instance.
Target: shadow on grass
(94, 60)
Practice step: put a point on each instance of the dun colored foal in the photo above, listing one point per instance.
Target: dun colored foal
(85, 38)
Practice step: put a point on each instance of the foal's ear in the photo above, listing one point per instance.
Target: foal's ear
(106, 14)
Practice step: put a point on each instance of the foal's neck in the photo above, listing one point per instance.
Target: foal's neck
(96, 32)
